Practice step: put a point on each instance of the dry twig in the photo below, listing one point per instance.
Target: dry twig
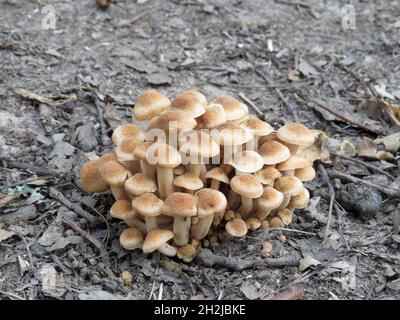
(30, 168)
(331, 201)
(83, 233)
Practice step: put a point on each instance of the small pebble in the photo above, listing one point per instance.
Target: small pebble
(266, 250)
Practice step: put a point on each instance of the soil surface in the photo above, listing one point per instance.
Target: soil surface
(63, 91)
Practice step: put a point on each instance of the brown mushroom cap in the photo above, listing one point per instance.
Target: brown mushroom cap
(210, 201)
(231, 134)
(296, 133)
(155, 239)
(188, 104)
(253, 223)
(294, 162)
(300, 200)
(247, 161)
(217, 173)
(107, 157)
(163, 155)
(288, 185)
(234, 109)
(236, 227)
(150, 104)
(91, 179)
(247, 185)
(258, 127)
(276, 222)
(274, 152)
(148, 204)
(180, 204)
(268, 175)
(127, 130)
(286, 215)
(187, 253)
(122, 209)
(131, 238)
(199, 145)
(305, 174)
(214, 116)
(175, 120)
(270, 199)
(197, 94)
(125, 149)
(114, 173)
(141, 148)
(188, 181)
(139, 184)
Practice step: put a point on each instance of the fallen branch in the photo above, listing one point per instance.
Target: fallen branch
(249, 102)
(209, 259)
(30, 168)
(57, 195)
(83, 233)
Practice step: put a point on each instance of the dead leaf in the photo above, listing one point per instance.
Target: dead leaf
(4, 234)
(249, 290)
(368, 149)
(391, 142)
(347, 149)
(306, 69)
(318, 150)
(381, 90)
(4, 199)
(307, 262)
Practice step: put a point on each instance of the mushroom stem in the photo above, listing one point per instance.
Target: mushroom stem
(215, 184)
(201, 228)
(167, 250)
(147, 169)
(151, 223)
(133, 222)
(119, 193)
(247, 205)
(195, 168)
(165, 177)
(262, 214)
(288, 173)
(286, 200)
(181, 230)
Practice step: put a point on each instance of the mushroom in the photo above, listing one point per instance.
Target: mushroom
(131, 239)
(214, 116)
(234, 109)
(127, 130)
(197, 145)
(217, 175)
(209, 202)
(290, 165)
(180, 206)
(249, 188)
(276, 222)
(300, 200)
(268, 175)
(253, 223)
(124, 153)
(198, 95)
(285, 215)
(115, 175)
(271, 199)
(189, 182)
(188, 104)
(150, 104)
(259, 129)
(289, 186)
(269, 137)
(90, 177)
(236, 227)
(165, 157)
(140, 153)
(174, 121)
(294, 135)
(247, 161)
(187, 253)
(122, 209)
(305, 174)
(273, 152)
(149, 206)
(139, 184)
(157, 239)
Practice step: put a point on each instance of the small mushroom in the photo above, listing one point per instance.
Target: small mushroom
(174, 121)
(140, 152)
(289, 186)
(291, 164)
(131, 239)
(286, 215)
(122, 209)
(197, 94)
(249, 188)
(305, 174)
(115, 175)
(214, 116)
(276, 222)
(234, 109)
(268, 175)
(187, 253)
(236, 227)
(294, 135)
(150, 104)
(139, 184)
(253, 223)
(157, 239)
(124, 153)
(189, 182)
(259, 128)
(300, 200)
(189, 104)
(247, 161)
(127, 130)
(217, 175)
(149, 206)
(273, 152)
(271, 199)
(91, 179)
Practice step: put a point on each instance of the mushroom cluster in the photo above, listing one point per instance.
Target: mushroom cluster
(201, 171)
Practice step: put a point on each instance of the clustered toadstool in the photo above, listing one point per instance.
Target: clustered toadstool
(202, 171)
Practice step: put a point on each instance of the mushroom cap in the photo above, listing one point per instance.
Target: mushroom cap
(197, 94)
(274, 152)
(267, 175)
(247, 185)
(148, 204)
(236, 227)
(127, 130)
(163, 155)
(270, 199)
(247, 161)
(175, 120)
(179, 170)
(186, 253)
(305, 174)
(210, 201)
(180, 204)
(198, 145)
(300, 200)
(107, 157)
(139, 183)
(289, 186)
(188, 181)
(276, 222)
(296, 133)
(259, 127)
(131, 238)
(188, 104)
(217, 173)
(234, 109)
(294, 162)
(141, 148)
(269, 137)
(214, 116)
(286, 216)
(253, 223)
(230, 134)
(114, 173)
(122, 209)
(125, 149)
(91, 179)
(150, 104)
(155, 239)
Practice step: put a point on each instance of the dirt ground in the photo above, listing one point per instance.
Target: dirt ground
(51, 78)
